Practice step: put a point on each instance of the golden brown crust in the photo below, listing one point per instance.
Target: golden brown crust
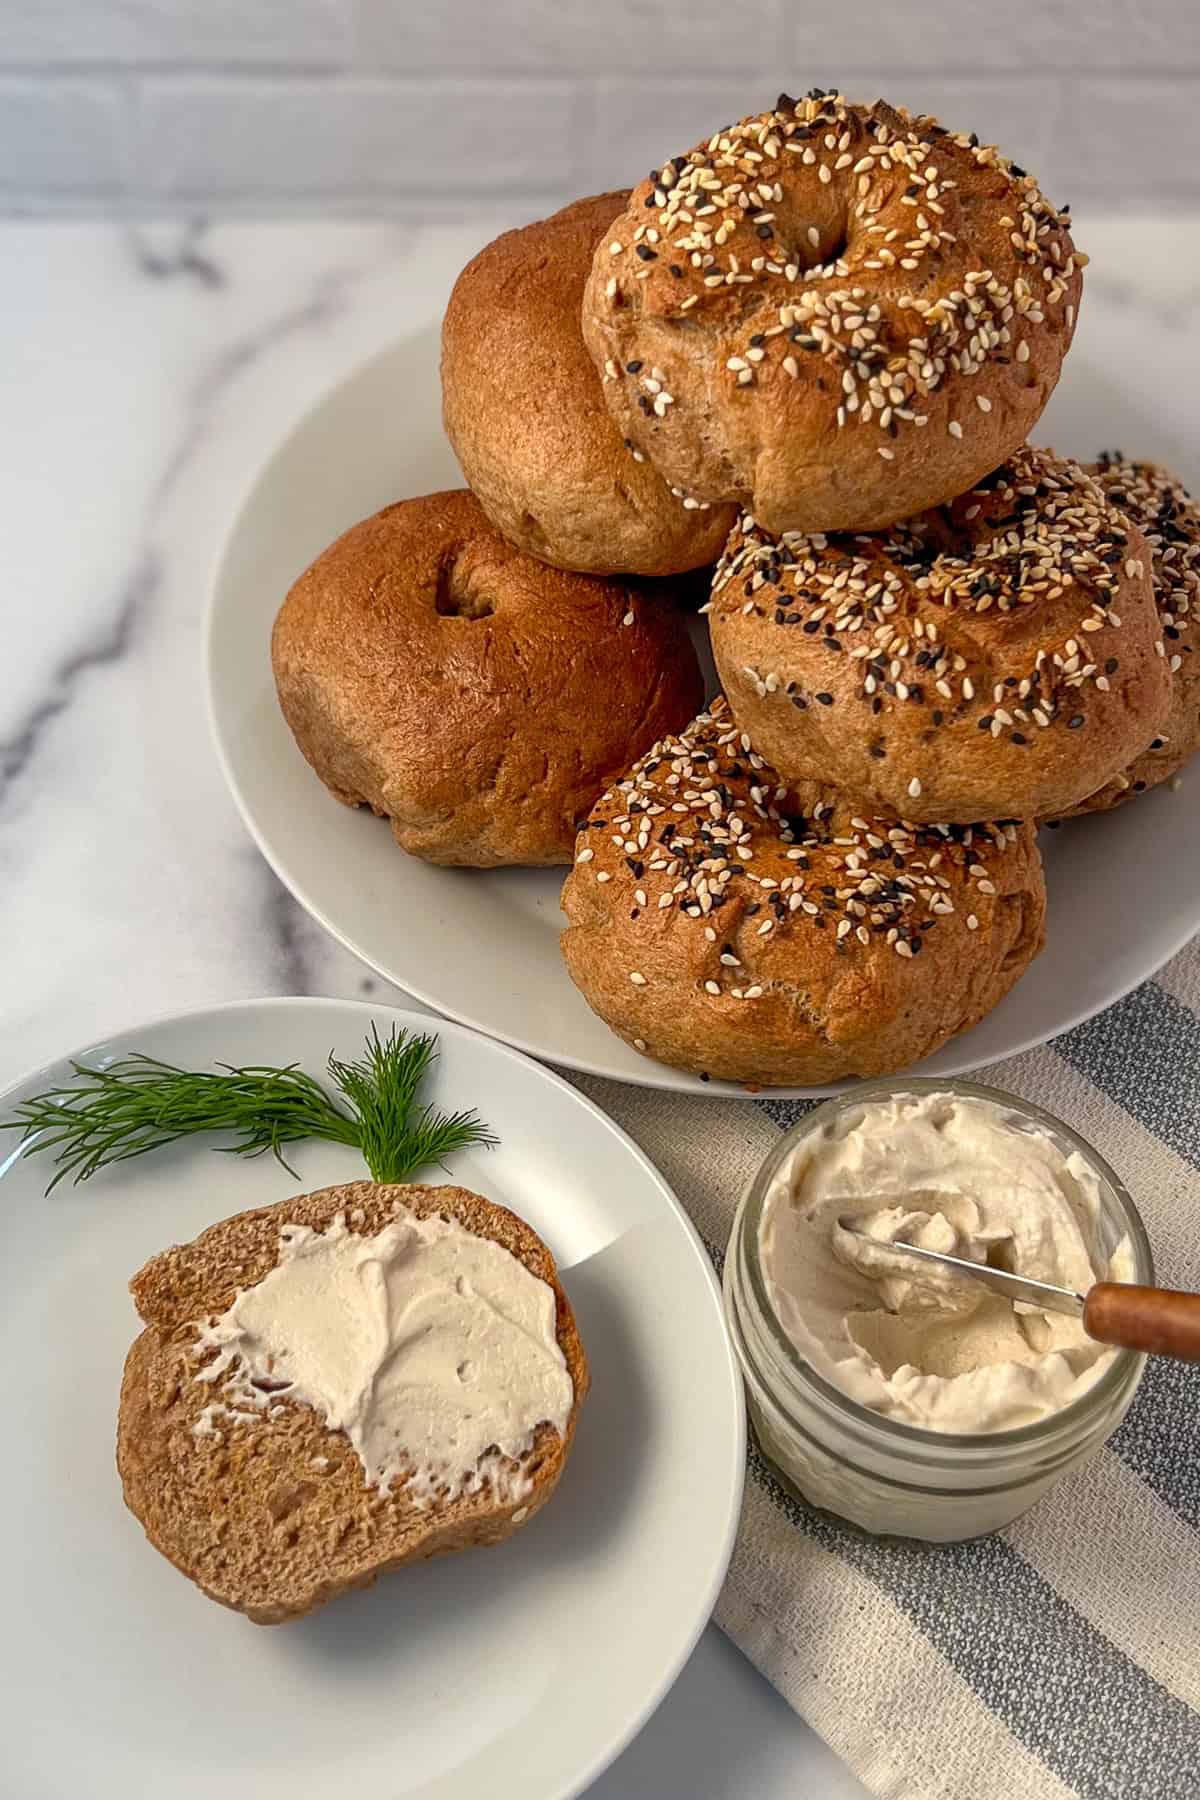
(249, 1515)
(473, 695)
(997, 657)
(522, 407)
(838, 315)
(1161, 508)
(720, 923)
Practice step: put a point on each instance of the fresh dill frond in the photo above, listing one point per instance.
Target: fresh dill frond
(139, 1104)
(381, 1087)
(432, 1137)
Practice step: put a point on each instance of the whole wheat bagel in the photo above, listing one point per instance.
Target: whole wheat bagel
(999, 657)
(476, 697)
(270, 1514)
(1169, 520)
(522, 407)
(722, 923)
(835, 314)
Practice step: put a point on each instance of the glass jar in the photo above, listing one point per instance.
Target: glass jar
(888, 1477)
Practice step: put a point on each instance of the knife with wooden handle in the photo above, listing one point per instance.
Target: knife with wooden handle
(1158, 1321)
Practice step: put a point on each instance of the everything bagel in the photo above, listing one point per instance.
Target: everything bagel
(1169, 519)
(999, 657)
(722, 922)
(838, 315)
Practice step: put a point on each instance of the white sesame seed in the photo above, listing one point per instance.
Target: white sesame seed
(603, 875)
(639, 1043)
(983, 403)
(585, 856)
(914, 789)
(712, 987)
(637, 978)
(972, 922)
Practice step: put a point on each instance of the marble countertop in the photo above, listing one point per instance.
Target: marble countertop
(149, 376)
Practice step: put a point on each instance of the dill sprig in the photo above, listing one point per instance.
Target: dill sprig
(139, 1104)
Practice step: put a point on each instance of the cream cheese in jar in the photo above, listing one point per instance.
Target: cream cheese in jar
(894, 1396)
(955, 1174)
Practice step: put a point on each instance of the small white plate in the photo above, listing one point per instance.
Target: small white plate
(482, 947)
(519, 1670)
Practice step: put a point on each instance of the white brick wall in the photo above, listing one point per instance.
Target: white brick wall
(430, 106)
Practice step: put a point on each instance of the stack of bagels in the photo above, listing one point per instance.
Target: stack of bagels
(808, 352)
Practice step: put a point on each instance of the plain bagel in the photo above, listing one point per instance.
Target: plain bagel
(999, 657)
(723, 923)
(1169, 520)
(478, 698)
(523, 409)
(835, 314)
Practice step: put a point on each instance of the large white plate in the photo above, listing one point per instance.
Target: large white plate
(483, 947)
(520, 1670)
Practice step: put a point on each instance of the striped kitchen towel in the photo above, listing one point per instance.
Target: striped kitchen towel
(1061, 1656)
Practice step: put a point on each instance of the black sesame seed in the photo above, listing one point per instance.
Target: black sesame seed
(1018, 737)
(1074, 723)
(825, 699)
(646, 253)
(1111, 666)
(632, 369)
(764, 231)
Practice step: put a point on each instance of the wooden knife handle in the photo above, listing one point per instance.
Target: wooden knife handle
(1159, 1320)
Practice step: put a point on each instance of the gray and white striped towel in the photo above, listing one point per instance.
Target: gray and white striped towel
(1062, 1656)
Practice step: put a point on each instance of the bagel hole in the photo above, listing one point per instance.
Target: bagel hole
(458, 594)
(831, 248)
